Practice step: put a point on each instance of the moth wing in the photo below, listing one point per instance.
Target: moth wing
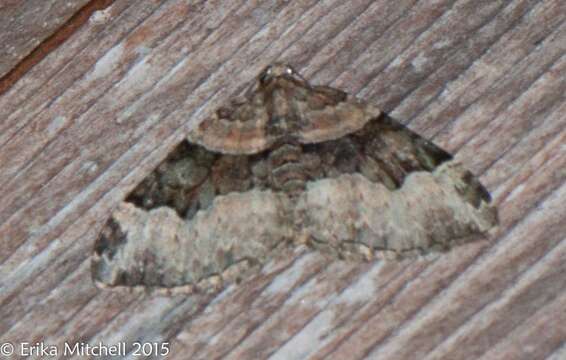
(238, 128)
(399, 152)
(159, 249)
(393, 191)
(328, 114)
(243, 127)
(172, 231)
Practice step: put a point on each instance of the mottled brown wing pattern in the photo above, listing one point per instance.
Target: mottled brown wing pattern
(374, 152)
(282, 109)
(400, 152)
(237, 128)
(402, 196)
(190, 178)
(288, 163)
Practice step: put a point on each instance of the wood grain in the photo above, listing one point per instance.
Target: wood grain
(25, 24)
(29, 30)
(485, 79)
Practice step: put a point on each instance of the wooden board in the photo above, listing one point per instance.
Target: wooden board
(484, 79)
(26, 24)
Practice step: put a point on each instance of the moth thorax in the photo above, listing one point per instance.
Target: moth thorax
(288, 173)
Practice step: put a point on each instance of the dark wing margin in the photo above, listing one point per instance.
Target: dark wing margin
(190, 178)
(428, 202)
(383, 151)
(155, 238)
(399, 151)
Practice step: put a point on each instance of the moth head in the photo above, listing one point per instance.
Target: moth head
(277, 71)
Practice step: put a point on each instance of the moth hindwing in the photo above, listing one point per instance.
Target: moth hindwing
(290, 161)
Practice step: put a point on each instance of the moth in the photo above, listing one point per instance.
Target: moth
(288, 163)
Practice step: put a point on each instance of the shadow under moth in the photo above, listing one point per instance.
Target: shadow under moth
(288, 163)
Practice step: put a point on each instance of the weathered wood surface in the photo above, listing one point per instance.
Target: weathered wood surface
(485, 79)
(26, 24)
